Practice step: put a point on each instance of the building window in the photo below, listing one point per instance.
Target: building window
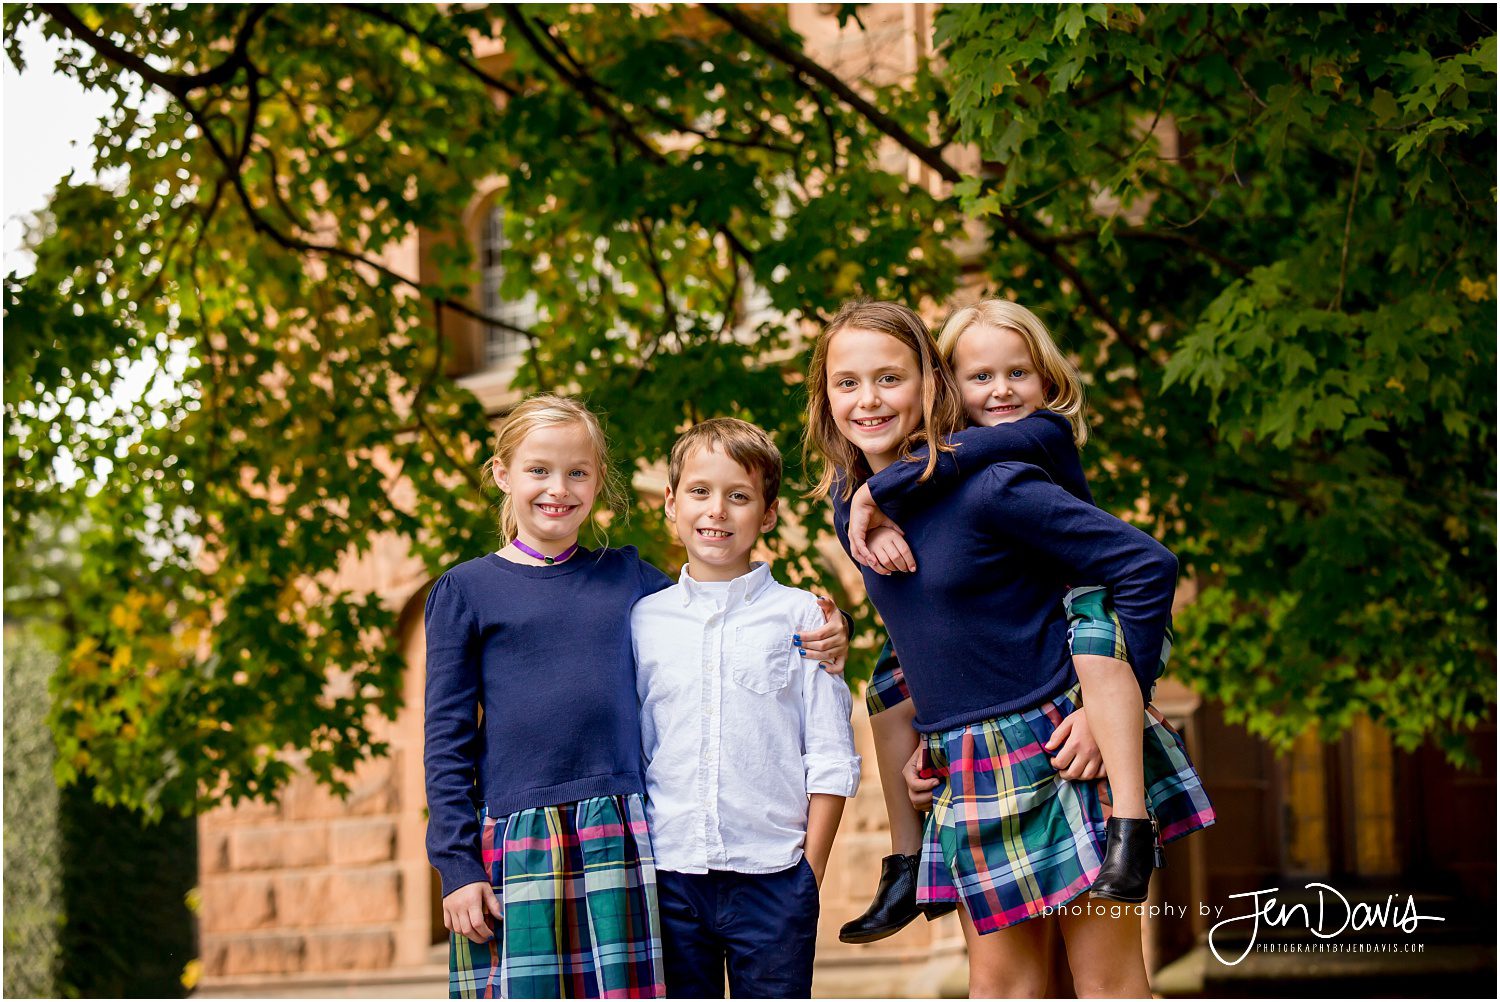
(501, 346)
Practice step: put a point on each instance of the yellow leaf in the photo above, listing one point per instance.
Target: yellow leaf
(121, 658)
(1395, 384)
(126, 617)
(1477, 290)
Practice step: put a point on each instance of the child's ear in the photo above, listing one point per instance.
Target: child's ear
(669, 504)
(769, 521)
(501, 475)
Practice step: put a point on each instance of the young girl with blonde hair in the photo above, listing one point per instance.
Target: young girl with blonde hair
(537, 823)
(984, 646)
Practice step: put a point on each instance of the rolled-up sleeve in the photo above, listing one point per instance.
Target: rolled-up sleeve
(829, 761)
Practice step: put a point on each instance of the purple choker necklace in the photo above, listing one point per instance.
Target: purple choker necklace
(564, 555)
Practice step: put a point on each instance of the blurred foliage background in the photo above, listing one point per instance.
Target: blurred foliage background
(1267, 234)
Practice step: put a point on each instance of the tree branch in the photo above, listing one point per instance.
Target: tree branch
(179, 85)
(468, 66)
(1338, 297)
(1182, 239)
(803, 67)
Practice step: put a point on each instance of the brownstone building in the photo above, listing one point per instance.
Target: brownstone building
(316, 896)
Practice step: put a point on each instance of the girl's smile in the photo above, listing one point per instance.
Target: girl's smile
(996, 375)
(552, 480)
(874, 393)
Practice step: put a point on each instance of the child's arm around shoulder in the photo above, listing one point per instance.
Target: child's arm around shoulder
(830, 764)
(1043, 439)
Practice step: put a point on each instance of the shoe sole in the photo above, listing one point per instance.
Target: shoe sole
(1094, 896)
(876, 935)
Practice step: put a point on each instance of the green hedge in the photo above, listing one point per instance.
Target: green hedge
(95, 898)
(33, 870)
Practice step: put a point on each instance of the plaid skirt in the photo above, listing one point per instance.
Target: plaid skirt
(887, 685)
(1010, 839)
(577, 886)
(1093, 628)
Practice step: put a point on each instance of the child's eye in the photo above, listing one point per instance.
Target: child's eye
(578, 474)
(739, 498)
(890, 378)
(980, 377)
(538, 471)
(699, 492)
(1018, 374)
(845, 384)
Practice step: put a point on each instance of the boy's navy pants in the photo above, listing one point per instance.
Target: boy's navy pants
(762, 927)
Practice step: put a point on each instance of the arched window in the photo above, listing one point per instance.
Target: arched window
(499, 345)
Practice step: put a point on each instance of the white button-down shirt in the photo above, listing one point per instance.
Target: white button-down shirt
(736, 727)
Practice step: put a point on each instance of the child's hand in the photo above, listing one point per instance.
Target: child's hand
(464, 911)
(1076, 755)
(890, 552)
(827, 644)
(876, 551)
(918, 790)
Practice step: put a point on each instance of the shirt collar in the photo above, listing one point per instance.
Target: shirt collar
(746, 588)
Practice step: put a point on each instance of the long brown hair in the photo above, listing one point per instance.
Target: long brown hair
(942, 409)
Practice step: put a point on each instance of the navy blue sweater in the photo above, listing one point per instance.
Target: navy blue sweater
(546, 653)
(1042, 438)
(980, 626)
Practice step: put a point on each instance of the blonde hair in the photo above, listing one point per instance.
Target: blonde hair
(548, 410)
(942, 409)
(741, 441)
(1064, 383)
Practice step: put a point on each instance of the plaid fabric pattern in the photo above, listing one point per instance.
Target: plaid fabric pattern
(1094, 628)
(887, 686)
(1009, 839)
(577, 884)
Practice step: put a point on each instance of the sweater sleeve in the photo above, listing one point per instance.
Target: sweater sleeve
(452, 737)
(652, 578)
(1042, 439)
(1091, 545)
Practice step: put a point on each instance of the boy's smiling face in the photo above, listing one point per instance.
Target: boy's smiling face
(720, 511)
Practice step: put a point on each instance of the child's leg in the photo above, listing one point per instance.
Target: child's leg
(1010, 963)
(1116, 712)
(692, 950)
(770, 929)
(1104, 951)
(895, 740)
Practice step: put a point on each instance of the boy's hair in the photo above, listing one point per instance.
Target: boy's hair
(546, 410)
(741, 441)
(1064, 383)
(942, 407)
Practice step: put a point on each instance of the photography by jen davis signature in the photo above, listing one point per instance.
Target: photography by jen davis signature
(1332, 907)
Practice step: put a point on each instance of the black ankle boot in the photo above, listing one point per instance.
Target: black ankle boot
(937, 909)
(895, 903)
(1130, 852)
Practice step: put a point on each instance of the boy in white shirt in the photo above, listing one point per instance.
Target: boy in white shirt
(748, 747)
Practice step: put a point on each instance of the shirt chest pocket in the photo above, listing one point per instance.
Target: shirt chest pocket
(761, 658)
